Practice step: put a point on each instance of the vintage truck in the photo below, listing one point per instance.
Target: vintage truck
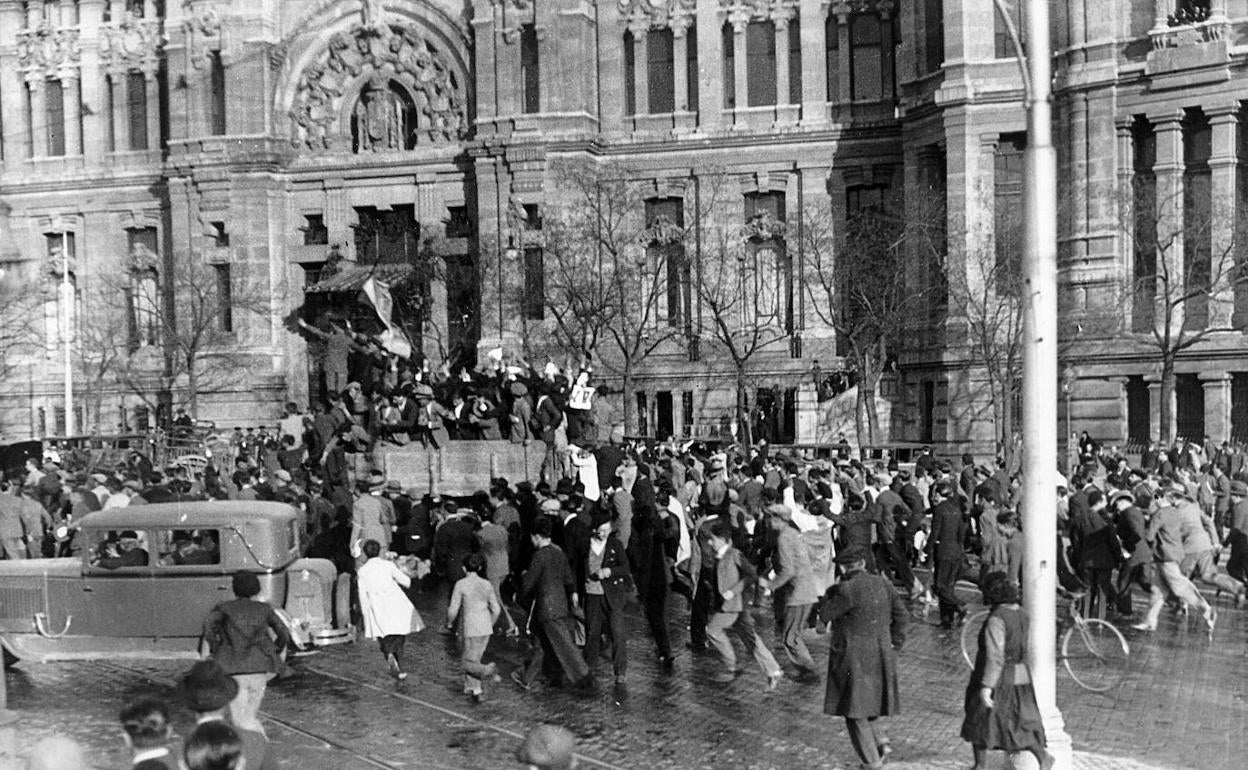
(147, 575)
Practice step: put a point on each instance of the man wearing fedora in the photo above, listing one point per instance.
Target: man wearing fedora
(372, 515)
(237, 633)
(1165, 532)
(208, 691)
(794, 586)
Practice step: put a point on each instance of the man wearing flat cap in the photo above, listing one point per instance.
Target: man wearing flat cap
(1165, 532)
(868, 621)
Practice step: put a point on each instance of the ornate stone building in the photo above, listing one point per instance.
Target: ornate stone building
(292, 151)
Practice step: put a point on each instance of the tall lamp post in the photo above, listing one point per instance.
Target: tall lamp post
(1040, 373)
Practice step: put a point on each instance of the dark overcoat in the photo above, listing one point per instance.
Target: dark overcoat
(868, 620)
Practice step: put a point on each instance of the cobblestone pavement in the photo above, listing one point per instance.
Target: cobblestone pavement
(1182, 706)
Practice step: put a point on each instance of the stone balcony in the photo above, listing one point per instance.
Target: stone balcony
(1186, 54)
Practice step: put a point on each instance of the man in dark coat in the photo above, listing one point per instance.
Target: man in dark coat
(606, 591)
(868, 621)
(652, 534)
(548, 582)
(1131, 527)
(1096, 546)
(945, 543)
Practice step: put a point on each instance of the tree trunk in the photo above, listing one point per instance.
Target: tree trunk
(1005, 441)
(628, 405)
(192, 386)
(860, 417)
(1166, 412)
(745, 429)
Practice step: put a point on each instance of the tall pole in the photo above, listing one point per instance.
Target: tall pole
(1040, 380)
(67, 299)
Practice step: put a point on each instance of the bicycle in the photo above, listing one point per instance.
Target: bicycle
(1094, 652)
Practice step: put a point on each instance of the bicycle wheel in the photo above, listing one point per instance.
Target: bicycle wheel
(1096, 655)
(970, 636)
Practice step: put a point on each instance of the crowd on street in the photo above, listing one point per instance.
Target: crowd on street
(728, 537)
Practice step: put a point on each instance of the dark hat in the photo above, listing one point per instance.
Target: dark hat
(999, 589)
(128, 534)
(1239, 489)
(246, 585)
(851, 555)
(451, 507)
(599, 518)
(519, 390)
(548, 746)
(206, 687)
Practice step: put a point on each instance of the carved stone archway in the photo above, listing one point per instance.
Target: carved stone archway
(331, 84)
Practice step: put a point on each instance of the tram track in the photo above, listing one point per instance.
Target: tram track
(330, 742)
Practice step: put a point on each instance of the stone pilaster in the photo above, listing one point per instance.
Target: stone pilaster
(1224, 120)
(814, 96)
(485, 33)
(641, 70)
(740, 72)
(710, 66)
(1217, 386)
(38, 117)
(121, 110)
(1154, 407)
(782, 60)
(15, 139)
(1169, 172)
(680, 70)
(71, 103)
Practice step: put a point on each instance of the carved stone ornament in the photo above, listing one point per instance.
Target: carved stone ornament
(377, 55)
(741, 12)
(662, 232)
(764, 227)
(200, 27)
(132, 44)
(843, 9)
(677, 15)
(45, 52)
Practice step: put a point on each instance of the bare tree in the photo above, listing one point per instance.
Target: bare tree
(200, 339)
(607, 272)
(1188, 282)
(863, 292)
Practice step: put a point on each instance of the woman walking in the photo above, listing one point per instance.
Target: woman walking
(388, 614)
(1001, 710)
(475, 605)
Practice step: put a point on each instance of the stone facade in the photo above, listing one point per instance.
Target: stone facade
(262, 137)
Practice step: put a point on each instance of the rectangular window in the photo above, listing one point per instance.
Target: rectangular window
(832, 52)
(686, 413)
(1008, 218)
(934, 34)
(760, 48)
(866, 58)
(643, 414)
(630, 74)
(532, 217)
(315, 233)
(530, 72)
(220, 236)
(54, 114)
(662, 72)
(136, 110)
(216, 94)
(795, 62)
(187, 547)
(225, 298)
(1197, 219)
(458, 225)
(109, 97)
(691, 69)
(669, 258)
(1002, 46)
(730, 66)
(1144, 228)
(534, 284)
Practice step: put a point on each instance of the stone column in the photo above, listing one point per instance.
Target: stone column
(641, 70)
(38, 117)
(1169, 172)
(69, 13)
(680, 68)
(887, 60)
(711, 66)
(94, 123)
(1224, 120)
(154, 137)
(814, 94)
(1217, 386)
(1154, 408)
(11, 84)
(121, 110)
(1078, 171)
(486, 76)
(844, 82)
(72, 102)
(118, 10)
(740, 72)
(782, 60)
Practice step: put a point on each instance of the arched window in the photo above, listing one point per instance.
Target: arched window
(384, 119)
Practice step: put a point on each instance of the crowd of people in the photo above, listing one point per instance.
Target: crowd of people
(831, 546)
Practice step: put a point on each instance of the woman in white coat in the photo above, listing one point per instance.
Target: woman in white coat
(388, 614)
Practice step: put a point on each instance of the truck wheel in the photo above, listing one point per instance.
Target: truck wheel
(342, 602)
(9, 658)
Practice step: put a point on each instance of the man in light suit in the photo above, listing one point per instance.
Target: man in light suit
(793, 584)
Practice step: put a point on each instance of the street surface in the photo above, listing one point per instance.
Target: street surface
(1183, 706)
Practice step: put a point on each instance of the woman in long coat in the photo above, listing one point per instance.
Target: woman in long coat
(868, 621)
(1001, 710)
(388, 614)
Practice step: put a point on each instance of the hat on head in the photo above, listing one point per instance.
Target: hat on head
(851, 555)
(780, 511)
(393, 485)
(376, 479)
(422, 391)
(1176, 488)
(128, 534)
(1121, 494)
(283, 474)
(451, 507)
(1239, 489)
(132, 484)
(351, 385)
(598, 518)
(519, 390)
(550, 506)
(206, 687)
(548, 746)
(99, 478)
(617, 434)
